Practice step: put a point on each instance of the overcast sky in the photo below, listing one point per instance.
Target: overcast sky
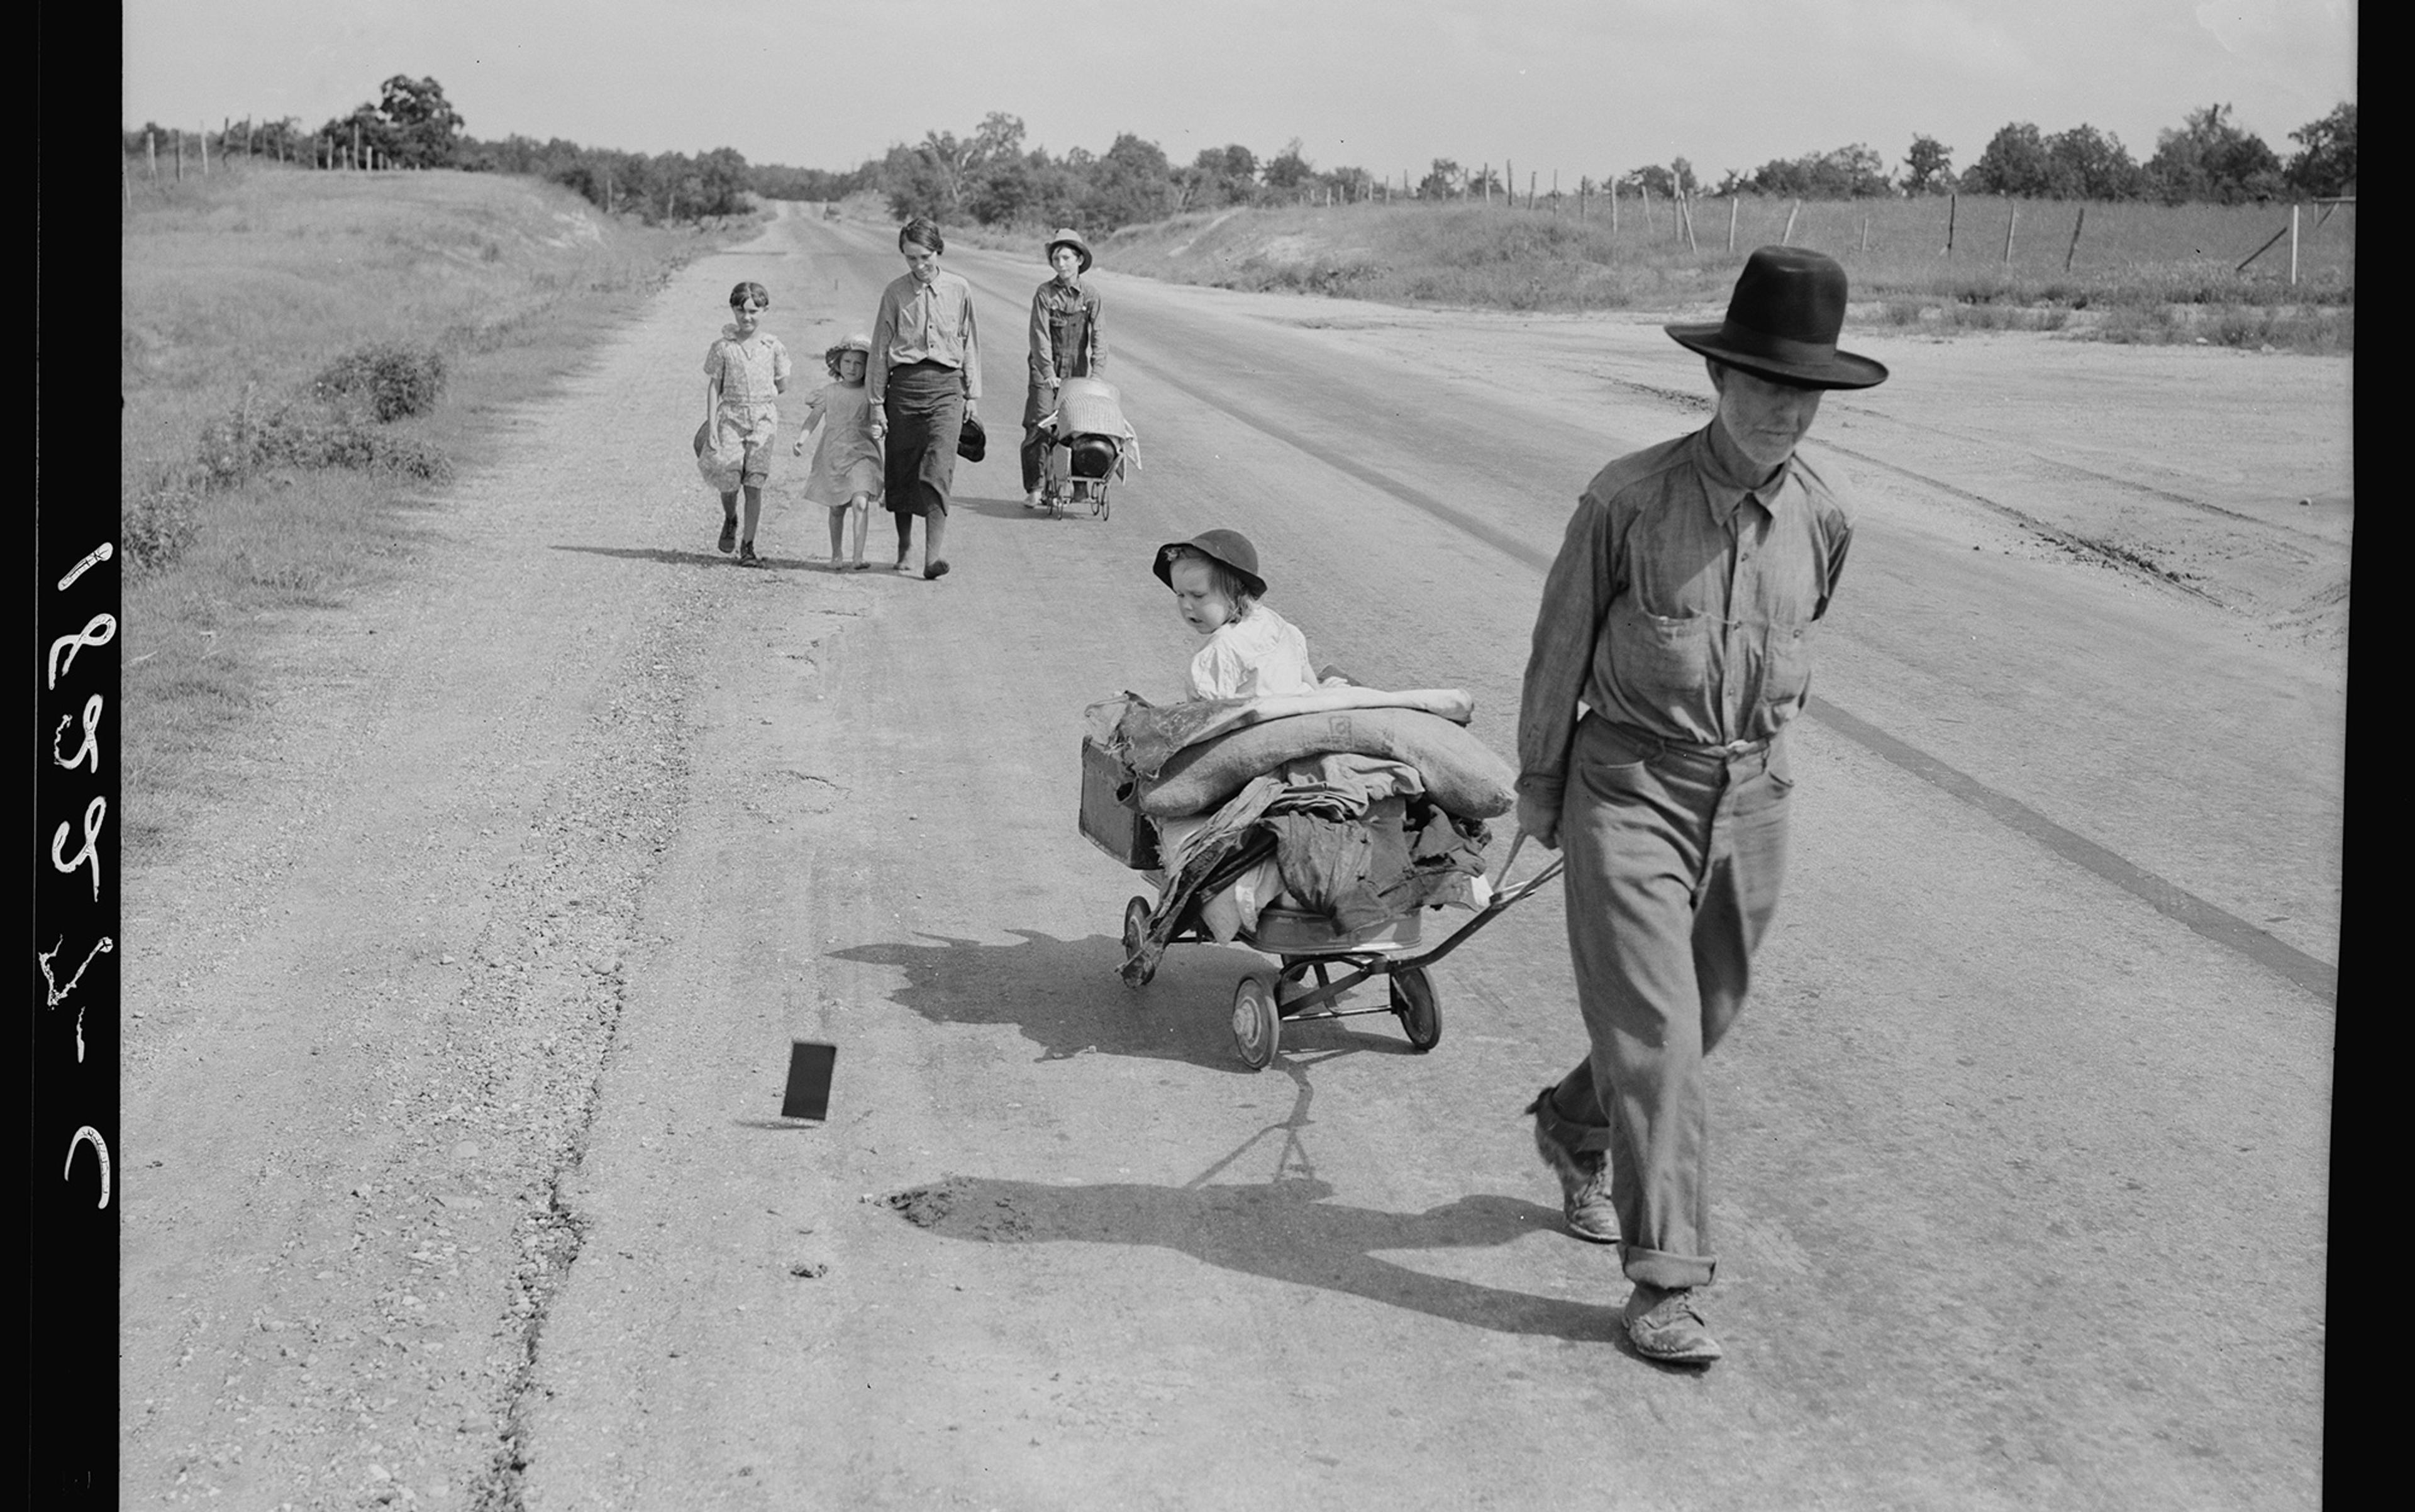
(1582, 86)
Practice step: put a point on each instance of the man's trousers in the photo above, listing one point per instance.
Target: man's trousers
(1674, 859)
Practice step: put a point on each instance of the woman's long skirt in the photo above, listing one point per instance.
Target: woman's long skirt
(924, 404)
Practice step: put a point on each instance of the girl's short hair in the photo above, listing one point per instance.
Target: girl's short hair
(1227, 581)
(922, 231)
(755, 291)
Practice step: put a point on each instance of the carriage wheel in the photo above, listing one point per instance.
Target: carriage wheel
(1420, 1010)
(1136, 914)
(1257, 1025)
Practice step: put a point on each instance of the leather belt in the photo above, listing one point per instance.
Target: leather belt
(1653, 744)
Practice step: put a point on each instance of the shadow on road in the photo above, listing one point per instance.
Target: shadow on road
(1013, 509)
(1285, 1231)
(1065, 996)
(710, 558)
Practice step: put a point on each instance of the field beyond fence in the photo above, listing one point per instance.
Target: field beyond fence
(2137, 272)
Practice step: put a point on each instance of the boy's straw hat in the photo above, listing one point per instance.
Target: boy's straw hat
(1230, 547)
(1067, 236)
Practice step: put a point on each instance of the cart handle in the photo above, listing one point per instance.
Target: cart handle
(1503, 894)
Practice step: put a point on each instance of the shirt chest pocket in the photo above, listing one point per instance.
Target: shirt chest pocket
(1785, 666)
(1661, 653)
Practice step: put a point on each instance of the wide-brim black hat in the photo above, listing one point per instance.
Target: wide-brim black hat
(1067, 236)
(1230, 547)
(1782, 323)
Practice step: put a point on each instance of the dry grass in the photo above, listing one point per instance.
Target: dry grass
(238, 291)
(2140, 272)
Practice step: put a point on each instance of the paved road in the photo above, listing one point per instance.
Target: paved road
(2022, 1174)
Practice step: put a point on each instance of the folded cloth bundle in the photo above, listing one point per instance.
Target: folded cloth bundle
(1461, 775)
(1145, 736)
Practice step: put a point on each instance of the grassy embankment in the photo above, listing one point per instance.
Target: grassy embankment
(2142, 271)
(238, 290)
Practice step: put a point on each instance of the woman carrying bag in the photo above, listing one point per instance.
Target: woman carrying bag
(925, 382)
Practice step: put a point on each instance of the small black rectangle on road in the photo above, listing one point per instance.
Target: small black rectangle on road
(809, 1080)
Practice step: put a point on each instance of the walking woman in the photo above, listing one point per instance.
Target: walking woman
(925, 382)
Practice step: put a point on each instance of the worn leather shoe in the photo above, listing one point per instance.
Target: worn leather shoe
(1584, 1175)
(1666, 1324)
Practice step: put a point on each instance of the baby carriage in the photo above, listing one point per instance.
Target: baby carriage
(1321, 954)
(1089, 442)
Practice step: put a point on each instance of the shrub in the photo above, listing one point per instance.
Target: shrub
(156, 524)
(391, 377)
(235, 446)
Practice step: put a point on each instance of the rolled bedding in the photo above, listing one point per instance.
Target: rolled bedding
(1462, 776)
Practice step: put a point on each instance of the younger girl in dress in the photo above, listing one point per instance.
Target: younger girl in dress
(847, 460)
(742, 372)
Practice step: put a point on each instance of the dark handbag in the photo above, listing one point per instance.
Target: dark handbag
(973, 441)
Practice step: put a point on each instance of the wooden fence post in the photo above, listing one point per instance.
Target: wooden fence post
(2072, 250)
(1865, 235)
(1613, 207)
(2293, 242)
(205, 151)
(2012, 219)
(1788, 240)
(1733, 201)
(1952, 200)
(1647, 208)
(151, 151)
(357, 145)
(1687, 204)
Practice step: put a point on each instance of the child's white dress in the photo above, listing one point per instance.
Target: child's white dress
(1260, 655)
(847, 460)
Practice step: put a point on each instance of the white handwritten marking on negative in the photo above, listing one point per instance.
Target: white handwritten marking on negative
(97, 631)
(93, 558)
(91, 746)
(94, 813)
(100, 1147)
(59, 994)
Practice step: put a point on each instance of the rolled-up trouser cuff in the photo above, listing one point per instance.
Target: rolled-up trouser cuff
(1658, 1267)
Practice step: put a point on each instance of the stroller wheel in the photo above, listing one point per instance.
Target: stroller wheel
(1257, 1023)
(1420, 1013)
(1136, 914)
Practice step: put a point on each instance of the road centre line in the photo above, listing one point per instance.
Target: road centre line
(2315, 977)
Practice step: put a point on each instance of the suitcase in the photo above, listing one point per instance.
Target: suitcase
(1108, 819)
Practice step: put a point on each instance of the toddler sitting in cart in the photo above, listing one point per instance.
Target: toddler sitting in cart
(1289, 811)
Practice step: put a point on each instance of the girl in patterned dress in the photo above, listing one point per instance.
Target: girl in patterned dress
(742, 372)
(847, 461)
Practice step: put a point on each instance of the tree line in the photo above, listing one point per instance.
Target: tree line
(990, 176)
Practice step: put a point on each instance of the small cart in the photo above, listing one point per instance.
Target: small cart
(1307, 944)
